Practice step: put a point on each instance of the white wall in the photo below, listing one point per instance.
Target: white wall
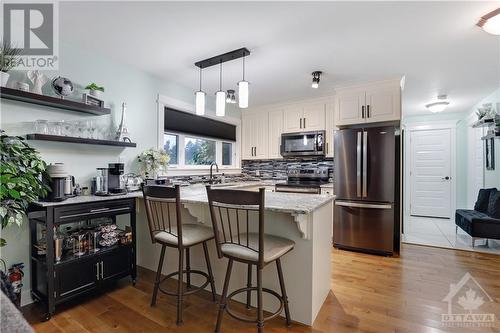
(123, 84)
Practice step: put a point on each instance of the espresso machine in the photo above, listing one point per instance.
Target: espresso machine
(115, 178)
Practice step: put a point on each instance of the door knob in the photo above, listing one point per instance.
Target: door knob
(446, 178)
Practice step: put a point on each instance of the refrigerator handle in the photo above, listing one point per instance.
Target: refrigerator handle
(358, 165)
(365, 164)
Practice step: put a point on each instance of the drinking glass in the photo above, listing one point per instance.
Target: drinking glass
(91, 127)
(56, 128)
(80, 129)
(68, 128)
(41, 126)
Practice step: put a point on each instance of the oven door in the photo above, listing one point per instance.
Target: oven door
(302, 144)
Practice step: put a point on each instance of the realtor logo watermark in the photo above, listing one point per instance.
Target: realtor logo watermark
(465, 300)
(32, 27)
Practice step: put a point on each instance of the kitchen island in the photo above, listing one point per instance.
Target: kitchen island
(304, 218)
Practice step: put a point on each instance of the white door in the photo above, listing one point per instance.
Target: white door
(349, 107)
(430, 173)
(293, 118)
(314, 117)
(275, 130)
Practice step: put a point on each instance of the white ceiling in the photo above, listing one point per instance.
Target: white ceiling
(435, 44)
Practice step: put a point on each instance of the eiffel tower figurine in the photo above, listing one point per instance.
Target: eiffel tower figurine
(122, 132)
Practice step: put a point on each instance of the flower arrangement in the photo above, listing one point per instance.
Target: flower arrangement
(152, 161)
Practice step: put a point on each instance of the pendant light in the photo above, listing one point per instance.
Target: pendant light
(200, 100)
(243, 90)
(220, 97)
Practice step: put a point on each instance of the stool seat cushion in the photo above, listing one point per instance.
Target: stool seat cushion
(191, 234)
(274, 247)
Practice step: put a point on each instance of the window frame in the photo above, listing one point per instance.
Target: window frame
(180, 169)
(181, 158)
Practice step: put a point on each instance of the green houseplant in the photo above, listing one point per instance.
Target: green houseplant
(94, 89)
(21, 183)
(8, 60)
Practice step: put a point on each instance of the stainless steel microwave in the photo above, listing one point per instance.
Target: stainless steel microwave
(303, 144)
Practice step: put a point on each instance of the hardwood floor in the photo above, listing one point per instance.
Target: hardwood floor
(369, 294)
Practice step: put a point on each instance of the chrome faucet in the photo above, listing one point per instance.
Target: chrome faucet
(211, 181)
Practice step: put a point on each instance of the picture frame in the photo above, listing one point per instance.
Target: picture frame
(490, 154)
(91, 100)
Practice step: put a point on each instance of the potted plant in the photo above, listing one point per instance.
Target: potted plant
(95, 90)
(8, 60)
(21, 183)
(153, 161)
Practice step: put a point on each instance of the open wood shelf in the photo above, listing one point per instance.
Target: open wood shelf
(54, 102)
(71, 139)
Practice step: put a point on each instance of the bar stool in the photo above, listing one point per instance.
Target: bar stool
(163, 209)
(230, 211)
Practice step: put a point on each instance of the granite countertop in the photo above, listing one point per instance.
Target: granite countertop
(294, 203)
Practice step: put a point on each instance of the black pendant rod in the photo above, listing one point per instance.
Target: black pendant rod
(236, 54)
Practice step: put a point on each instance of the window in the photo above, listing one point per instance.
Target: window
(170, 144)
(227, 153)
(199, 151)
(191, 152)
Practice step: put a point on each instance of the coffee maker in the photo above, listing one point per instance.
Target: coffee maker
(115, 180)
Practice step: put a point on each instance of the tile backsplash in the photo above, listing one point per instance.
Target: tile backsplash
(277, 169)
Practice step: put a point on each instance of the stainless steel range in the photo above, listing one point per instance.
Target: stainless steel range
(306, 180)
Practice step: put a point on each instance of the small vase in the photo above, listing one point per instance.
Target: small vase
(95, 93)
(4, 76)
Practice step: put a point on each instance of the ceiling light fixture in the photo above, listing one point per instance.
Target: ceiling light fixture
(243, 90)
(220, 96)
(316, 76)
(439, 105)
(220, 103)
(230, 97)
(491, 22)
(200, 100)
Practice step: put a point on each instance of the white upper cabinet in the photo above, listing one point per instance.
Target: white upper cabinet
(383, 102)
(275, 130)
(314, 117)
(330, 127)
(349, 105)
(304, 117)
(369, 103)
(254, 136)
(293, 115)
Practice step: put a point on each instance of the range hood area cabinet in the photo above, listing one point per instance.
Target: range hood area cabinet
(262, 128)
(254, 136)
(368, 103)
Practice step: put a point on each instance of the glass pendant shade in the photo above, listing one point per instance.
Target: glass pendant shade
(243, 94)
(220, 103)
(200, 103)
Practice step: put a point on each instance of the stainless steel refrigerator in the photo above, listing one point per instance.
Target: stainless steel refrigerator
(366, 213)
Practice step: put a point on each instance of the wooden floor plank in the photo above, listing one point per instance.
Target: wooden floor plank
(369, 294)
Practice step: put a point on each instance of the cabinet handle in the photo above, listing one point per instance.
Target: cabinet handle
(102, 270)
(368, 111)
(300, 122)
(255, 151)
(98, 275)
(327, 147)
(363, 111)
(304, 122)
